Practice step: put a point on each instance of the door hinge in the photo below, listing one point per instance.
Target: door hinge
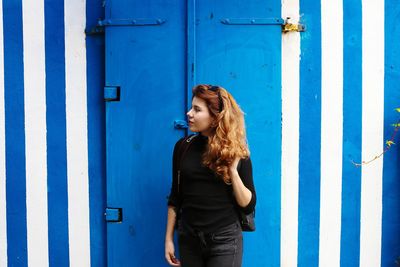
(101, 24)
(288, 26)
(113, 214)
(252, 21)
(131, 22)
(112, 93)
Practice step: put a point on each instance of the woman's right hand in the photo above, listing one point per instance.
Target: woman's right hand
(170, 254)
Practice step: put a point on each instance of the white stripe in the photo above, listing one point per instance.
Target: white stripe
(35, 132)
(77, 150)
(290, 137)
(372, 131)
(3, 212)
(331, 132)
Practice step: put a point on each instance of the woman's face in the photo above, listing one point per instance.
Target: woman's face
(199, 117)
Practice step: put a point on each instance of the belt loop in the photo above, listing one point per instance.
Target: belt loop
(200, 234)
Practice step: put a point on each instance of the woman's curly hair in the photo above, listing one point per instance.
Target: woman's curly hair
(228, 140)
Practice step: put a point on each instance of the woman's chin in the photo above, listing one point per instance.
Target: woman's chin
(193, 129)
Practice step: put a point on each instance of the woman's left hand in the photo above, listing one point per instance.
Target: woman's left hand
(240, 191)
(234, 165)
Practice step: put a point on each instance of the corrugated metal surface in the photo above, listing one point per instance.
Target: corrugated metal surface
(339, 90)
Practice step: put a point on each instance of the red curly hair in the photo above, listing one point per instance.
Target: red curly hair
(228, 140)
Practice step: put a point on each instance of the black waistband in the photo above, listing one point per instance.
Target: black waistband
(196, 232)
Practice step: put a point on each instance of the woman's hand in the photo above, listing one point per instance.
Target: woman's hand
(234, 165)
(170, 254)
(240, 191)
(169, 238)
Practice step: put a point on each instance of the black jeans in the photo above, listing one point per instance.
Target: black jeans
(223, 248)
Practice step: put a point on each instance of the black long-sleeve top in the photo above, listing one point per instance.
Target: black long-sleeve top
(207, 203)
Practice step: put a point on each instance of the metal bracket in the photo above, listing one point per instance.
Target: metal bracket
(113, 214)
(292, 27)
(96, 30)
(112, 93)
(252, 21)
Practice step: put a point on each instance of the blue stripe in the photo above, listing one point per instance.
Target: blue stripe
(352, 134)
(391, 170)
(96, 136)
(310, 135)
(15, 135)
(56, 134)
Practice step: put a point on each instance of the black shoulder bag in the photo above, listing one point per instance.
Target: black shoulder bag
(247, 221)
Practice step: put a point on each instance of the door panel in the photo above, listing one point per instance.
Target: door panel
(155, 67)
(147, 63)
(246, 60)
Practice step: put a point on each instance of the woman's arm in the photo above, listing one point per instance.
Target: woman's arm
(173, 201)
(169, 235)
(169, 238)
(242, 184)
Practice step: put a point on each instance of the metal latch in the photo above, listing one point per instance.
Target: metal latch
(112, 93)
(113, 214)
(288, 26)
(180, 124)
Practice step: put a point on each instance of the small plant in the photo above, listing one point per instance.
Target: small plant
(388, 143)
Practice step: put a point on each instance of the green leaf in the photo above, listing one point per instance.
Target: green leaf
(396, 124)
(397, 109)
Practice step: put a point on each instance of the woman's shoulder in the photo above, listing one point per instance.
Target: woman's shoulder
(188, 139)
(180, 140)
(178, 144)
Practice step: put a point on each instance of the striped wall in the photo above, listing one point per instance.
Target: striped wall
(339, 89)
(51, 135)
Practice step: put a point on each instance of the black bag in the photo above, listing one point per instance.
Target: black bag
(246, 220)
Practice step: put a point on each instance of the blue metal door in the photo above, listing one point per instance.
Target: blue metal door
(155, 52)
(238, 46)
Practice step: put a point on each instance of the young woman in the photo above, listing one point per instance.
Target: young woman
(215, 181)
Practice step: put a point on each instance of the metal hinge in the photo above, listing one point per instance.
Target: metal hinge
(112, 93)
(288, 26)
(113, 214)
(252, 21)
(101, 24)
(131, 22)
